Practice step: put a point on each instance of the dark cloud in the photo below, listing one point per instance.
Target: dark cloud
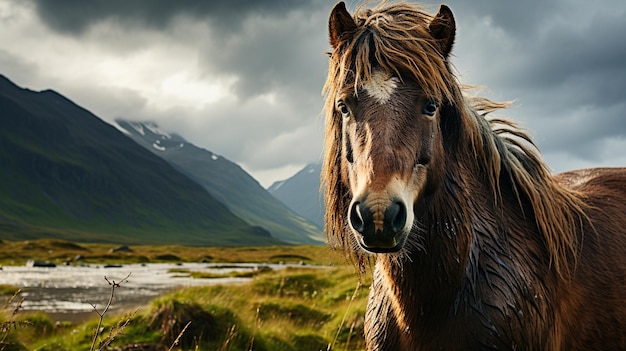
(273, 54)
(564, 62)
(515, 17)
(76, 16)
(591, 57)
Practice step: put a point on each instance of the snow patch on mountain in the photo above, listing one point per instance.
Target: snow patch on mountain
(121, 129)
(155, 130)
(138, 127)
(277, 185)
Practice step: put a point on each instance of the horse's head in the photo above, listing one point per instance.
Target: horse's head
(387, 82)
(390, 135)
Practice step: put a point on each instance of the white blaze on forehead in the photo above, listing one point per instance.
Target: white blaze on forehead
(381, 86)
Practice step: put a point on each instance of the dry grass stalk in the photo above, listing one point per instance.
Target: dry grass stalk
(121, 326)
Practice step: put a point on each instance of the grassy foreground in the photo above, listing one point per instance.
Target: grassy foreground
(301, 308)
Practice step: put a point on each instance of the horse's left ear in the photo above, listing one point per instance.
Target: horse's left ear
(443, 28)
(340, 24)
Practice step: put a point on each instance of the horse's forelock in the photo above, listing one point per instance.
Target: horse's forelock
(394, 38)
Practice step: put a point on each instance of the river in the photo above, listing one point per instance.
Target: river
(68, 292)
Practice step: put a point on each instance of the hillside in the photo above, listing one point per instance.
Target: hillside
(227, 182)
(65, 173)
(301, 193)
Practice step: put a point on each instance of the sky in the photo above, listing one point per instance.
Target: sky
(243, 78)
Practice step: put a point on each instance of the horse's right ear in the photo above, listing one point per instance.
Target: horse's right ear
(340, 24)
(443, 28)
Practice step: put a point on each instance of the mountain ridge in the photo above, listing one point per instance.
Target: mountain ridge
(65, 173)
(226, 181)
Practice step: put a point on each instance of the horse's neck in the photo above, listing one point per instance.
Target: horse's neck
(427, 280)
(464, 230)
(454, 222)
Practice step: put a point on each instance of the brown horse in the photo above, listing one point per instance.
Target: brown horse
(475, 245)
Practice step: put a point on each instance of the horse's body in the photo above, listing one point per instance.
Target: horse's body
(476, 245)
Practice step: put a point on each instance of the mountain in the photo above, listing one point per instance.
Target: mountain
(65, 173)
(301, 193)
(227, 182)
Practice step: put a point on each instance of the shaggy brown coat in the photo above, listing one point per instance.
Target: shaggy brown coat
(502, 255)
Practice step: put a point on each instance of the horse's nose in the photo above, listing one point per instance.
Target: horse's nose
(395, 216)
(377, 236)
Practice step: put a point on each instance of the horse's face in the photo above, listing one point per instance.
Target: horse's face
(389, 138)
(391, 145)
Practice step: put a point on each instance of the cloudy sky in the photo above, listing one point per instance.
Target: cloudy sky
(243, 78)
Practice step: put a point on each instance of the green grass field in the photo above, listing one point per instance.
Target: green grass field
(302, 308)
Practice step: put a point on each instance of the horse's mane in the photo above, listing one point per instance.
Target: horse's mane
(395, 38)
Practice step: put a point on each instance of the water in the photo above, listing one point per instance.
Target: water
(70, 292)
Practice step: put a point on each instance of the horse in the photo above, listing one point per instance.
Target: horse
(472, 242)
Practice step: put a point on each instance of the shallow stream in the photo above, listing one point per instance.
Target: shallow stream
(68, 292)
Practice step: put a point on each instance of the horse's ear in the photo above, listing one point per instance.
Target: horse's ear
(340, 24)
(443, 28)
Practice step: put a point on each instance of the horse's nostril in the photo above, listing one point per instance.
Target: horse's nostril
(356, 218)
(395, 216)
(362, 220)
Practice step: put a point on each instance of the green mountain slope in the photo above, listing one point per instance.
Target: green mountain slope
(65, 173)
(227, 182)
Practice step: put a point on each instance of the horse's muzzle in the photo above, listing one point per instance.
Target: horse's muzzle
(380, 230)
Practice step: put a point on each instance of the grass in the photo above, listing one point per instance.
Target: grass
(297, 308)
(287, 310)
(208, 275)
(8, 290)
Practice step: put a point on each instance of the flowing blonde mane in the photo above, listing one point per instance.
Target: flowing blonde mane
(395, 38)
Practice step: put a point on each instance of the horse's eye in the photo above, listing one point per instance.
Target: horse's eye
(430, 108)
(344, 109)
